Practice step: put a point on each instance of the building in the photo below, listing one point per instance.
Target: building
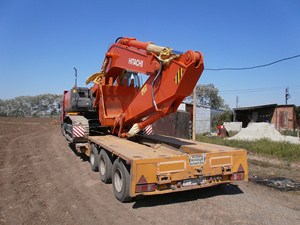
(179, 124)
(282, 116)
(204, 117)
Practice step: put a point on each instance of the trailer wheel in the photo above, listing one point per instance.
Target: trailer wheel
(105, 167)
(120, 181)
(94, 158)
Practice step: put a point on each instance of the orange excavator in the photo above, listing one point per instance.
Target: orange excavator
(126, 105)
(119, 102)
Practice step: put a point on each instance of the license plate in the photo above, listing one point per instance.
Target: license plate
(189, 182)
(197, 159)
(192, 182)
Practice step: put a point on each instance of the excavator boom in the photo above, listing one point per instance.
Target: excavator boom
(127, 107)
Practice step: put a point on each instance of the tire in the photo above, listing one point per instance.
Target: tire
(120, 181)
(94, 158)
(105, 167)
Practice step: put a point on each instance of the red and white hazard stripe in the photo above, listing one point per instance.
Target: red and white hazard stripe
(78, 131)
(148, 130)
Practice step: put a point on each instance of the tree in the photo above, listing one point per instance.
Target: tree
(226, 116)
(30, 105)
(54, 111)
(209, 95)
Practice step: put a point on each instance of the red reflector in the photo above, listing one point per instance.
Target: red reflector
(237, 176)
(240, 169)
(144, 188)
(142, 180)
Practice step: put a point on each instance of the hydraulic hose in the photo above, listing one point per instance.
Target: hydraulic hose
(153, 83)
(118, 39)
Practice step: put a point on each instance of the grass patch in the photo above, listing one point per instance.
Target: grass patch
(290, 133)
(282, 150)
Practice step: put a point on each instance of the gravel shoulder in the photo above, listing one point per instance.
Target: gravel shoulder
(42, 181)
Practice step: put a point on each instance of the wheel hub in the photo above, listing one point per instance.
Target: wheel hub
(118, 180)
(102, 167)
(92, 159)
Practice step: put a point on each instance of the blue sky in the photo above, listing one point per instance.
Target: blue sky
(41, 42)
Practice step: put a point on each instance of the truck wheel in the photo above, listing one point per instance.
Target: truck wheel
(105, 167)
(120, 181)
(94, 158)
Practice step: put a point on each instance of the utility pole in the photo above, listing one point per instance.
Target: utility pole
(236, 106)
(75, 77)
(287, 95)
(194, 113)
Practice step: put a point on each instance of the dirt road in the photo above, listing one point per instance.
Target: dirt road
(42, 181)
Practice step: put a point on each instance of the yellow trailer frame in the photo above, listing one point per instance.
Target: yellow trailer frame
(160, 164)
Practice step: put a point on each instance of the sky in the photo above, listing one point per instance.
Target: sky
(42, 41)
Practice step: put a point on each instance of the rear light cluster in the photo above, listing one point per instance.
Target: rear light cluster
(144, 188)
(239, 175)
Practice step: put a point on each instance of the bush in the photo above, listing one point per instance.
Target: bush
(226, 116)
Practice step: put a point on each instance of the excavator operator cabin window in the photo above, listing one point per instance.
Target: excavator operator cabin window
(132, 79)
(129, 79)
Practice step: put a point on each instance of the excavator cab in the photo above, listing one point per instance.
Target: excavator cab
(78, 99)
(128, 79)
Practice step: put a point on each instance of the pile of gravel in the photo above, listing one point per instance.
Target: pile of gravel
(256, 131)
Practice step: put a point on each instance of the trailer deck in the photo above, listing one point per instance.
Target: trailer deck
(160, 164)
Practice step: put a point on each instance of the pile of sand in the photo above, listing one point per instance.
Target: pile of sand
(256, 131)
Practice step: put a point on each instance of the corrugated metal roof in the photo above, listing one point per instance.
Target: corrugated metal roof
(290, 105)
(261, 107)
(255, 107)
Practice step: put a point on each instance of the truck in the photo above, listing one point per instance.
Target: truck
(105, 122)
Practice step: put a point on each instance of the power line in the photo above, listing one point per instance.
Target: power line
(260, 89)
(253, 67)
(251, 90)
(248, 91)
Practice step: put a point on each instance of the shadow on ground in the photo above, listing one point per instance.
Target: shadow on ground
(82, 156)
(186, 196)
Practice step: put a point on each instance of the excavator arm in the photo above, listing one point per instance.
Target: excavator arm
(126, 107)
